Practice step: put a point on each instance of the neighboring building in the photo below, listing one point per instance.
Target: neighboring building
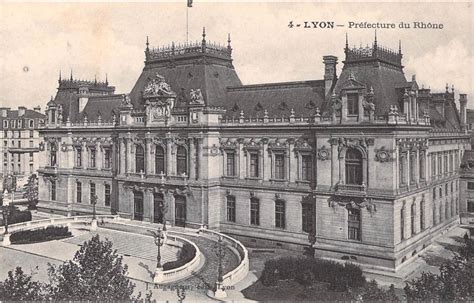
(466, 194)
(470, 119)
(19, 142)
(363, 161)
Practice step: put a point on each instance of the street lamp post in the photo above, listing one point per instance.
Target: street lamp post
(5, 212)
(160, 239)
(94, 219)
(220, 253)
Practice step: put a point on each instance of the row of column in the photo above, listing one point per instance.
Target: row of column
(127, 156)
(266, 161)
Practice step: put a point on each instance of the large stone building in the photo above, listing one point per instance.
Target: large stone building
(364, 163)
(20, 141)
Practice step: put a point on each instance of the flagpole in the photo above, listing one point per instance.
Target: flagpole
(187, 24)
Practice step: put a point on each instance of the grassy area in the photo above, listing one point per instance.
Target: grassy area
(291, 291)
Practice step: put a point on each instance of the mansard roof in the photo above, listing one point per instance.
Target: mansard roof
(278, 99)
(106, 106)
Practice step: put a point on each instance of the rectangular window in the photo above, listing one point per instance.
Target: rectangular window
(231, 208)
(306, 167)
(254, 165)
(433, 165)
(446, 164)
(280, 214)
(107, 195)
(307, 217)
(53, 190)
(31, 157)
(470, 206)
(92, 193)
(78, 192)
(353, 224)
(31, 168)
(31, 143)
(19, 132)
(470, 185)
(31, 134)
(254, 211)
(107, 158)
(5, 143)
(440, 167)
(352, 104)
(280, 166)
(19, 144)
(78, 157)
(230, 164)
(92, 157)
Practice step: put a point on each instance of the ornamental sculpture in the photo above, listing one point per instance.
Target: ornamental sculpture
(157, 87)
(196, 97)
(383, 155)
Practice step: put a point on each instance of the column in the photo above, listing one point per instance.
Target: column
(192, 157)
(265, 167)
(98, 155)
(417, 168)
(334, 161)
(148, 157)
(241, 158)
(85, 159)
(169, 163)
(372, 164)
(122, 155)
(129, 155)
(199, 159)
(396, 168)
(407, 167)
(292, 163)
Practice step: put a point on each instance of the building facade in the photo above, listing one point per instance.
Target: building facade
(362, 164)
(19, 150)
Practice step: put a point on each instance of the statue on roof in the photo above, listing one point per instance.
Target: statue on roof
(126, 102)
(157, 87)
(196, 96)
(369, 101)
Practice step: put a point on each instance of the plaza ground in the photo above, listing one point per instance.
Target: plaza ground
(139, 252)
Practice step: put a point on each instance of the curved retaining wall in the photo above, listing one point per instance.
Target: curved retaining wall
(238, 273)
(56, 221)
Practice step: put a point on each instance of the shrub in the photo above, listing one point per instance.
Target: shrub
(40, 235)
(186, 254)
(18, 216)
(339, 276)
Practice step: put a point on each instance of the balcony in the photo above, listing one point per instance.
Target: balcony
(351, 188)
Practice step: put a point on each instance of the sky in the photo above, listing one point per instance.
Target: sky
(38, 40)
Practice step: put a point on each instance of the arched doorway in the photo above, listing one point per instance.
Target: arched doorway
(158, 208)
(180, 210)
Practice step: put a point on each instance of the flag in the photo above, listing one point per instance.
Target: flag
(190, 3)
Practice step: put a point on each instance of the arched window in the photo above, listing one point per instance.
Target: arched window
(139, 159)
(353, 167)
(159, 160)
(280, 214)
(53, 155)
(181, 161)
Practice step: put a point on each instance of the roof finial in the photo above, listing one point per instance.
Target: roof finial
(228, 40)
(399, 47)
(375, 40)
(95, 79)
(59, 80)
(452, 88)
(147, 44)
(447, 87)
(71, 74)
(204, 34)
(347, 42)
(106, 80)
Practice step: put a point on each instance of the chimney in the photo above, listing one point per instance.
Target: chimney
(330, 76)
(463, 103)
(37, 109)
(21, 111)
(4, 111)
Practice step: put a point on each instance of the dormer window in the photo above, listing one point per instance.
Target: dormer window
(353, 104)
